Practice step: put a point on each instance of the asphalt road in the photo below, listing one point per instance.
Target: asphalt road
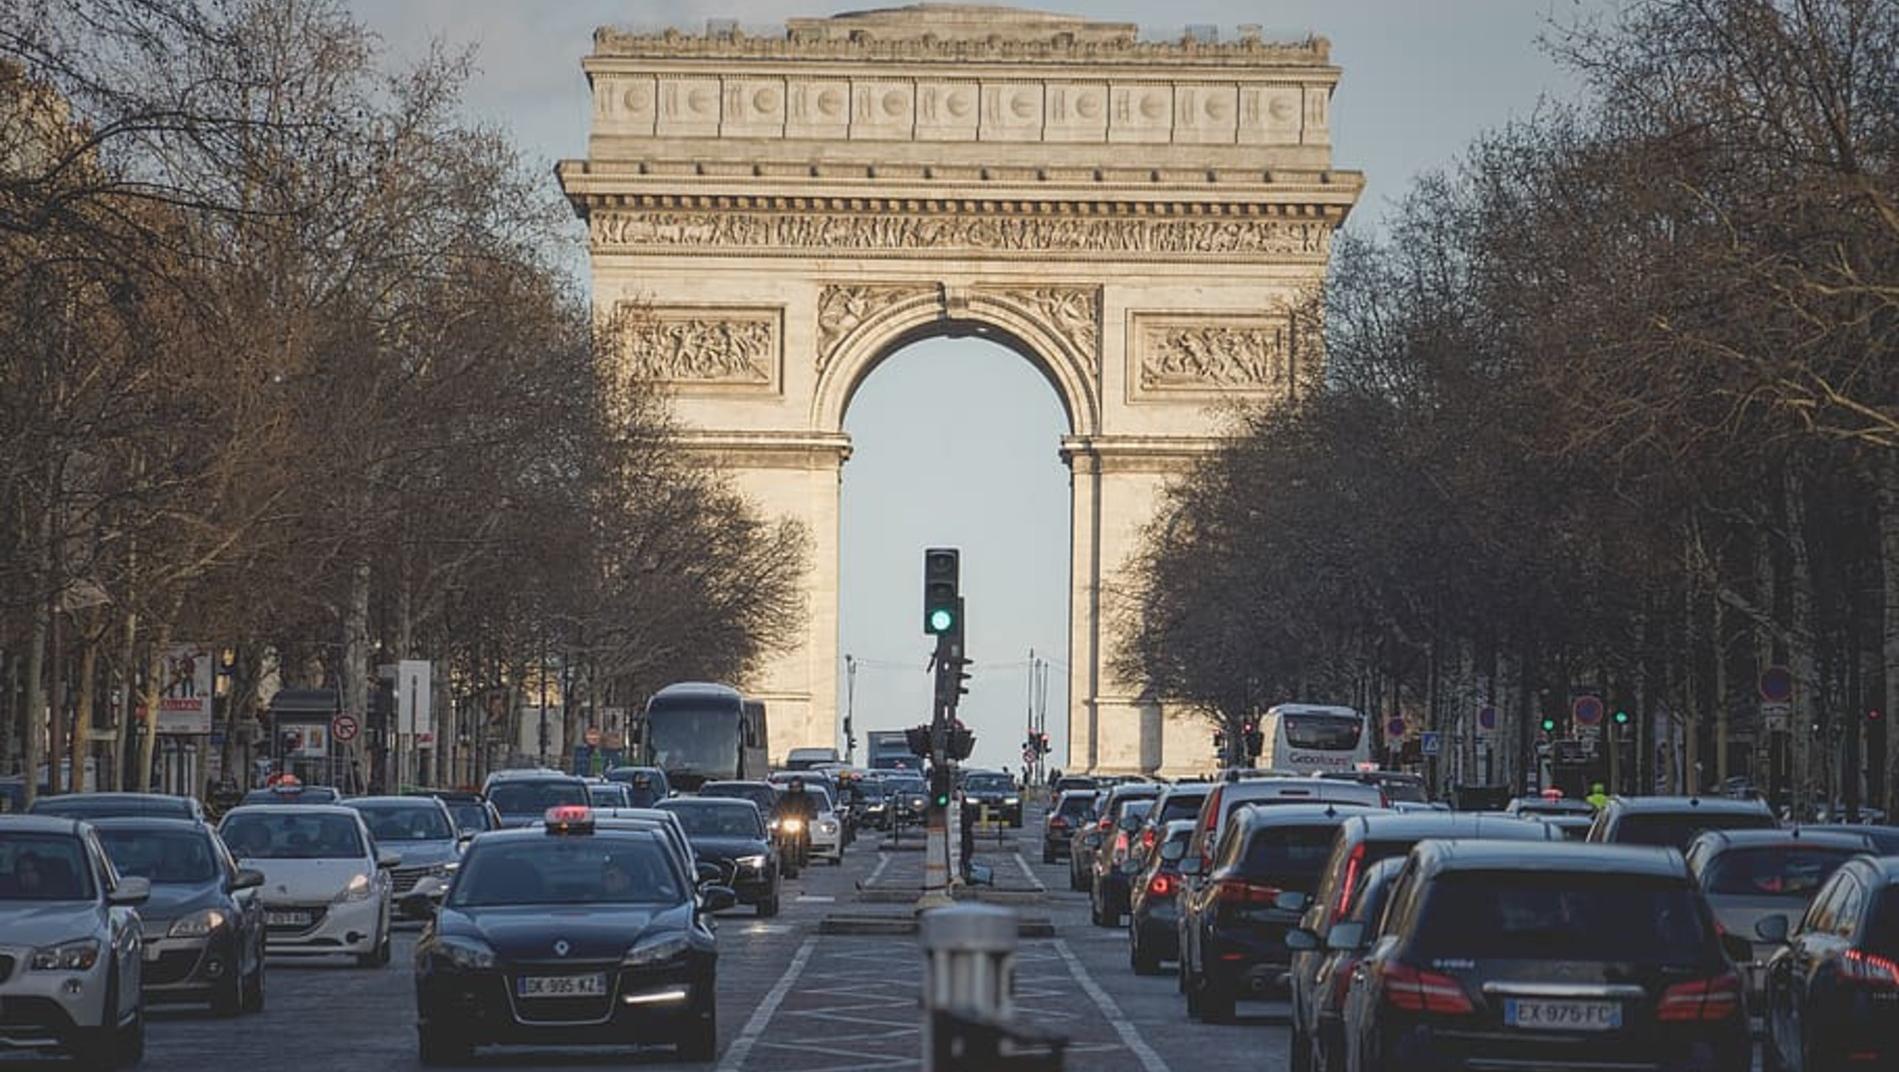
(790, 999)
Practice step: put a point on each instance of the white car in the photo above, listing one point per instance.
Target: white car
(71, 949)
(827, 831)
(327, 888)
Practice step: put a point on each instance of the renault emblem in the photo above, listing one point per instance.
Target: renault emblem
(561, 947)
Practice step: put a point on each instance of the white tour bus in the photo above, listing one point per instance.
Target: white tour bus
(1314, 737)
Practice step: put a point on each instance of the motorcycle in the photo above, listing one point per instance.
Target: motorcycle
(794, 845)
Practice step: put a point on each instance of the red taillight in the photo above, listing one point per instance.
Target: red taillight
(1412, 990)
(1162, 885)
(1352, 863)
(1120, 846)
(1148, 837)
(1703, 999)
(1106, 822)
(1869, 969)
(1058, 822)
(1231, 891)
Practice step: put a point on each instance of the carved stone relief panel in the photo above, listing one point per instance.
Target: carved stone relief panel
(817, 108)
(842, 308)
(1012, 111)
(883, 111)
(1211, 354)
(948, 111)
(1270, 114)
(754, 108)
(1140, 113)
(715, 349)
(1318, 118)
(624, 104)
(1205, 114)
(1072, 312)
(1077, 112)
(689, 107)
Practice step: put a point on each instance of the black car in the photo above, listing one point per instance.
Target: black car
(293, 793)
(1235, 914)
(1554, 955)
(1832, 994)
(1673, 822)
(522, 797)
(90, 806)
(1175, 802)
(1319, 1039)
(1362, 842)
(1073, 809)
(569, 935)
(1886, 838)
(731, 834)
(909, 799)
(1153, 905)
(471, 811)
(997, 791)
(646, 786)
(1108, 882)
(203, 925)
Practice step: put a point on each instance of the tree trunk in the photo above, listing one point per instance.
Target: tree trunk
(1801, 662)
(33, 711)
(1886, 483)
(127, 697)
(353, 675)
(83, 706)
(154, 685)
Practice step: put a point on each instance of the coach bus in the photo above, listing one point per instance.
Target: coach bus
(697, 732)
(1314, 737)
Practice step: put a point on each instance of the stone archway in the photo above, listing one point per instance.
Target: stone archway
(1134, 217)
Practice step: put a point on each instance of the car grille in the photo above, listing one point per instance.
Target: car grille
(172, 966)
(317, 912)
(406, 878)
(587, 1010)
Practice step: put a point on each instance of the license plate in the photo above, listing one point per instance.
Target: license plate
(562, 986)
(286, 919)
(1542, 1015)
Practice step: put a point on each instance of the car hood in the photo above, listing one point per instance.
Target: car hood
(422, 853)
(173, 899)
(726, 848)
(305, 880)
(592, 932)
(41, 923)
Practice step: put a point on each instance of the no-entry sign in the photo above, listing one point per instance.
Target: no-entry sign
(343, 728)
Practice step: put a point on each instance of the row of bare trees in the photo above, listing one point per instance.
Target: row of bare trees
(1614, 404)
(289, 365)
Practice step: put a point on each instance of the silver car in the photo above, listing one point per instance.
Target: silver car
(70, 944)
(422, 831)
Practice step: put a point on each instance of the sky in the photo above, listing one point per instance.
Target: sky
(1422, 78)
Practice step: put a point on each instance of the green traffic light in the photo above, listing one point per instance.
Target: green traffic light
(941, 620)
(942, 800)
(1621, 718)
(1549, 725)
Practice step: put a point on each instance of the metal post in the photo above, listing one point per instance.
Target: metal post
(969, 967)
(850, 709)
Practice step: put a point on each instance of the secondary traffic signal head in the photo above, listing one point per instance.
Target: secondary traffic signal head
(1549, 724)
(942, 581)
(1621, 717)
(939, 786)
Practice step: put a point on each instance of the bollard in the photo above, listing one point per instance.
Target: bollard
(968, 967)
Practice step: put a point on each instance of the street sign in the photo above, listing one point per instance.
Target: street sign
(1776, 684)
(1487, 719)
(1777, 716)
(1395, 727)
(591, 736)
(1029, 756)
(1431, 744)
(343, 728)
(1586, 709)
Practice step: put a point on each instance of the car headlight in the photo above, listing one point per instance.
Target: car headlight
(197, 924)
(69, 956)
(656, 950)
(356, 889)
(791, 826)
(751, 863)
(464, 954)
(829, 826)
(444, 870)
(1011, 800)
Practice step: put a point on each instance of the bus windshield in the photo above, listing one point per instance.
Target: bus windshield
(701, 744)
(1323, 732)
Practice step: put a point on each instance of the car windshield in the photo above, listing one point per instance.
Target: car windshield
(1794, 872)
(182, 857)
(1406, 790)
(43, 867)
(1329, 733)
(1674, 830)
(90, 807)
(1076, 804)
(577, 870)
(716, 820)
(470, 817)
(607, 796)
(1523, 915)
(1289, 857)
(534, 798)
(291, 836)
(405, 822)
(988, 783)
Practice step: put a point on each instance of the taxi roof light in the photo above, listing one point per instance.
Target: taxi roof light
(569, 819)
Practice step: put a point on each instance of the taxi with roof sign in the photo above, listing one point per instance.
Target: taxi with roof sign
(569, 933)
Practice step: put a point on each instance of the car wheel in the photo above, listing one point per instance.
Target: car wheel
(130, 1042)
(438, 1047)
(254, 987)
(1142, 961)
(768, 907)
(377, 958)
(228, 998)
(99, 1047)
(1216, 1003)
(1300, 1058)
(1048, 856)
(700, 1039)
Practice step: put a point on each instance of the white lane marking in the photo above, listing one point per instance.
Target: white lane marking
(741, 1047)
(1131, 1038)
(814, 898)
(1027, 871)
(883, 861)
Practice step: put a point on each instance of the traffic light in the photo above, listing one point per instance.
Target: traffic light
(1549, 723)
(961, 742)
(918, 738)
(939, 786)
(1042, 742)
(1621, 717)
(1875, 717)
(1254, 740)
(951, 681)
(942, 591)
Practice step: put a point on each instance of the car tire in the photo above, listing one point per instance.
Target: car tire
(228, 999)
(254, 987)
(1048, 856)
(130, 1041)
(436, 1047)
(377, 958)
(1142, 961)
(1299, 1058)
(101, 1047)
(699, 1041)
(768, 907)
(1216, 1003)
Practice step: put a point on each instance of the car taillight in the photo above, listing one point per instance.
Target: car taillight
(1232, 891)
(1147, 839)
(1106, 822)
(1162, 885)
(1120, 846)
(1703, 999)
(1869, 969)
(1058, 822)
(1352, 863)
(1413, 990)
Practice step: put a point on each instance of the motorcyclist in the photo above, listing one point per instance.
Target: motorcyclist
(796, 810)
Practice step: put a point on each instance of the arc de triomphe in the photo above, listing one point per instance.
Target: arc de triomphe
(1134, 217)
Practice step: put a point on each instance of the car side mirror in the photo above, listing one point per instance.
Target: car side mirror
(717, 898)
(1772, 928)
(131, 891)
(418, 903)
(246, 879)
(1291, 901)
(708, 872)
(1300, 940)
(1192, 867)
(388, 861)
(1129, 823)
(462, 839)
(1346, 936)
(1173, 850)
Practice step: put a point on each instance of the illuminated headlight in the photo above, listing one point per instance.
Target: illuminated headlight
(72, 956)
(751, 863)
(197, 924)
(464, 954)
(791, 826)
(656, 950)
(828, 826)
(356, 889)
(1012, 800)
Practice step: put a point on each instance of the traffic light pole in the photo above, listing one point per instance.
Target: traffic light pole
(936, 842)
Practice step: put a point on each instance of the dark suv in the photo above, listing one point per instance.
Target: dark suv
(1833, 993)
(1558, 955)
(1073, 809)
(1673, 822)
(1117, 826)
(1235, 914)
